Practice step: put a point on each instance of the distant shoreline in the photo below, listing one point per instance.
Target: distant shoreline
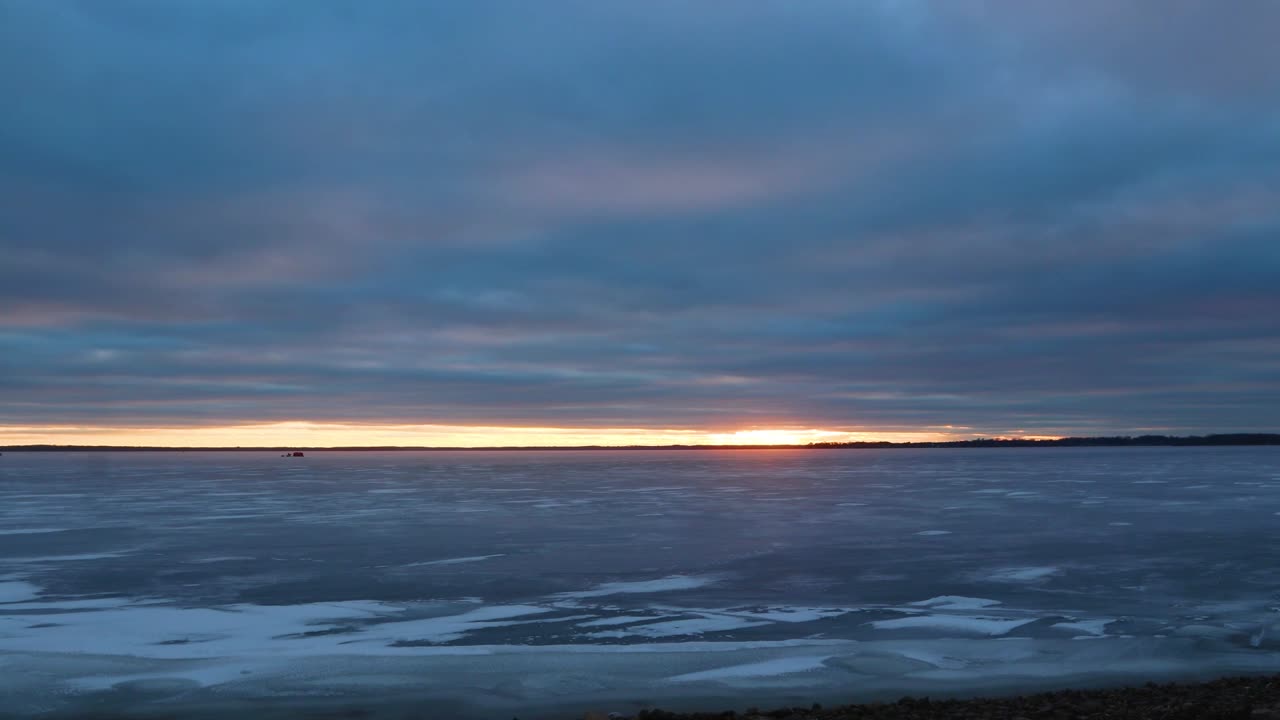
(1239, 696)
(1216, 440)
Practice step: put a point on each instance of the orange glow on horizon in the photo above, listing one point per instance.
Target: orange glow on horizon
(314, 434)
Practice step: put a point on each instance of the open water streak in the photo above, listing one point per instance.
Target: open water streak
(540, 584)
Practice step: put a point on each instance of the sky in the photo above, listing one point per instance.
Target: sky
(594, 221)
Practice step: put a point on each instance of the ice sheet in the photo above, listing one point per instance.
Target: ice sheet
(456, 561)
(781, 666)
(453, 627)
(675, 628)
(1092, 627)
(955, 602)
(620, 620)
(12, 591)
(75, 557)
(1022, 574)
(666, 584)
(792, 614)
(953, 624)
(137, 585)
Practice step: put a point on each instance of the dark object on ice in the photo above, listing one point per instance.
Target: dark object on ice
(293, 454)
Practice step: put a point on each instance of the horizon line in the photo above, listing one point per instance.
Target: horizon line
(995, 441)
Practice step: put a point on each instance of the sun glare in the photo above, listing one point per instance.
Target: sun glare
(804, 436)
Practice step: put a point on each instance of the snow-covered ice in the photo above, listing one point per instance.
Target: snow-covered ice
(456, 561)
(766, 668)
(661, 585)
(1022, 574)
(12, 591)
(1090, 627)
(964, 625)
(676, 628)
(502, 583)
(955, 602)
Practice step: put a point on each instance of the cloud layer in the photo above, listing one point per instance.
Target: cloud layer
(1059, 218)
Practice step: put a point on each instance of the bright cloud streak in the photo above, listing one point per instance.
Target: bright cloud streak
(307, 434)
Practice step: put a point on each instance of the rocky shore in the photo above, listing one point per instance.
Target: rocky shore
(1235, 698)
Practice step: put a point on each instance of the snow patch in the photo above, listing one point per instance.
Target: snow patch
(791, 614)
(18, 591)
(667, 584)
(955, 602)
(456, 561)
(454, 627)
(766, 668)
(1093, 627)
(953, 623)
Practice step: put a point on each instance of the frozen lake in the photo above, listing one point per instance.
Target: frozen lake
(543, 584)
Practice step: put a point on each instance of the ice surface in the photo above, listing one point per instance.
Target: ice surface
(955, 602)
(1092, 627)
(456, 561)
(729, 578)
(781, 666)
(688, 626)
(620, 620)
(792, 614)
(667, 584)
(953, 624)
(177, 632)
(52, 605)
(76, 557)
(1022, 574)
(18, 590)
(454, 627)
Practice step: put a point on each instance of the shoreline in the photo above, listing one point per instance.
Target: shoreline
(1243, 697)
(1234, 697)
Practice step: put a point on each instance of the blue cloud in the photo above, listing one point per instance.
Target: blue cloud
(578, 213)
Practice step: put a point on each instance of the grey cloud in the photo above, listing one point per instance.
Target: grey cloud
(875, 214)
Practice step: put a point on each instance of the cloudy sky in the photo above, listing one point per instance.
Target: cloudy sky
(467, 222)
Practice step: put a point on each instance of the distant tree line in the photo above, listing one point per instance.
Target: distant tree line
(1113, 441)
